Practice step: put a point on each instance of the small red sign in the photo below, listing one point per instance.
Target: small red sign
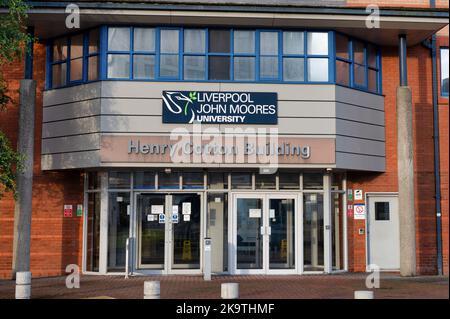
(68, 210)
(350, 211)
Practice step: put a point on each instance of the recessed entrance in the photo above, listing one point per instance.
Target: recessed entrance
(168, 231)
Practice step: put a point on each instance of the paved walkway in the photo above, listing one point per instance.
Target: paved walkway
(251, 287)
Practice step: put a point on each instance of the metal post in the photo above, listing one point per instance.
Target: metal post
(207, 259)
(229, 291)
(402, 54)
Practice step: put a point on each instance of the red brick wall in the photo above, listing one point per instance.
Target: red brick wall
(55, 241)
(419, 78)
(442, 40)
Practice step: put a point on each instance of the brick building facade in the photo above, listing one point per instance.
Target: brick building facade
(58, 241)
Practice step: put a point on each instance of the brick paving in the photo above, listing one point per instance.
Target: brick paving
(251, 287)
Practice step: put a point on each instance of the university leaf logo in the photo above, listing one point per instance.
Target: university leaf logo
(178, 103)
(192, 98)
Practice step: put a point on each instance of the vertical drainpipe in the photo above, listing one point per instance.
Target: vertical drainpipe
(437, 170)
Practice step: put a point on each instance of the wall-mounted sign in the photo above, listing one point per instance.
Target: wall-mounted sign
(358, 194)
(350, 194)
(175, 218)
(68, 210)
(162, 218)
(359, 211)
(220, 107)
(79, 210)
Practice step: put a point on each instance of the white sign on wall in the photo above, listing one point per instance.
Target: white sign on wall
(358, 194)
(359, 211)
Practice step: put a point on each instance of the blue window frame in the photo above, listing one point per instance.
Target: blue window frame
(73, 59)
(358, 64)
(149, 53)
(444, 71)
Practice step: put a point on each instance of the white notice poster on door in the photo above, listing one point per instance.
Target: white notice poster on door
(157, 209)
(186, 208)
(254, 213)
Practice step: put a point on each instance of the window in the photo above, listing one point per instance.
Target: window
(381, 210)
(293, 56)
(194, 54)
(357, 64)
(119, 43)
(244, 55)
(202, 54)
(219, 54)
(444, 71)
(169, 53)
(92, 55)
(59, 63)
(74, 59)
(317, 65)
(268, 55)
(144, 53)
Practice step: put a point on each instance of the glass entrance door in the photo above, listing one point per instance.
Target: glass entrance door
(169, 230)
(264, 234)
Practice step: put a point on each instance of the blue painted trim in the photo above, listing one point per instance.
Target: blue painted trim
(331, 56)
(29, 56)
(443, 94)
(48, 66)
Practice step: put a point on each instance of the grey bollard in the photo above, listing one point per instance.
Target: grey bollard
(363, 294)
(207, 259)
(229, 291)
(151, 290)
(23, 285)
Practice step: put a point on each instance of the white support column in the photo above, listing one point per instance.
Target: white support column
(103, 262)
(328, 256)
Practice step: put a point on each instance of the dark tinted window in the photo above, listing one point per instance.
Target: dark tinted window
(382, 211)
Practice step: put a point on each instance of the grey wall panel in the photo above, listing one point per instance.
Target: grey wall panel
(134, 89)
(71, 160)
(357, 97)
(360, 162)
(132, 106)
(356, 129)
(361, 114)
(74, 143)
(71, 127)
(360, 146)
(292, 92)
(72, 94)
(153, 124)
(71, 110)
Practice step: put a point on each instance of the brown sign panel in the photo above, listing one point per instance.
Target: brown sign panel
(192, 149)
